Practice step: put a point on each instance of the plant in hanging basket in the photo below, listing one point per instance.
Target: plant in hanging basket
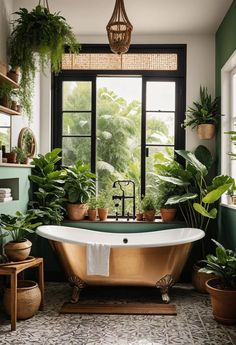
(38, 38)
(205, 115)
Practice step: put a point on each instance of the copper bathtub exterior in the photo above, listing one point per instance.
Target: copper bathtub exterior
(128, 266)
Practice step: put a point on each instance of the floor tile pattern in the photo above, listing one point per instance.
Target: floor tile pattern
(193, 325)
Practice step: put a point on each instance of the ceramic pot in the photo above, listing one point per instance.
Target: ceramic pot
(92, 214)
(223, 302)
(76, 211)
(18, 251)
(168, 214)
(14, 74)
(199, 279)
(149, 215)
(14, 105)
(206, 131)
(11, 157)
(102, 213)
(139, 216)
(28, 299)
(5, 102)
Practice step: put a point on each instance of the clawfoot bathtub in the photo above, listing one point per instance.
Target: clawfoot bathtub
(153, 258)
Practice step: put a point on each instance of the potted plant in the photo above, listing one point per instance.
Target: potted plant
(149, 207)
(139, 213)
(222, 288)
(38, 38)
(92, 208)
(5, 95)
(18, 226)
(197, 199)
(103, 203)
(48, 187)
(80, 185)
(205, 115)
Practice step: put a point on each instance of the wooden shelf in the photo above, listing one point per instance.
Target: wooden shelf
(8, 111)
(5, 79)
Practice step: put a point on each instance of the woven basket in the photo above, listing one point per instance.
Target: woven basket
(28, 299)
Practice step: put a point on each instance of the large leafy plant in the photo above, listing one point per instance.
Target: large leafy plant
(20, 225)
(38, 37)
(197, 201)
(206, 110)
(80, 183)
(48, 183)
(222, 265)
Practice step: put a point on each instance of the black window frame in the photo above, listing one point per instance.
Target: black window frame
(178, 76)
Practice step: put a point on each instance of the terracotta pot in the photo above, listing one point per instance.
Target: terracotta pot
(76, 211)
(92, 214)
(233, 199)
(199, 279)
(14, 75)
(11, 157)
(139, 216)
(206, 131)
(5, 102)
(28, 299)
(18, 251)
(223, 302)
(149, 215)
(168, 214)
(102, 213)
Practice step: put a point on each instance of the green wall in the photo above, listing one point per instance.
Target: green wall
(225, 46)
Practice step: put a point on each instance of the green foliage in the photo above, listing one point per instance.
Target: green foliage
(197, 199)
(204, 111)
(223, 265)
(148, 203)
(20, 225)
(49, 184)
(21, 155)
(92, 204)
(104, 199)
(41, 32)
(79, 183)
(233, 140)
(5, 90)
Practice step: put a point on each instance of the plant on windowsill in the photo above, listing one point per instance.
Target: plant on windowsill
(92, 208)
(205, 115)
(5, 95)
(18, 227)
(149, 207)
(80, 185)
(103, 204)
(139, 212)
(38, 38)
(232, 191)
(222, 288)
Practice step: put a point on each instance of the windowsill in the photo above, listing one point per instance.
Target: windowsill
(232, 206)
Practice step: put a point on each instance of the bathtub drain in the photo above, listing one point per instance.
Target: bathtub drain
(125, 240)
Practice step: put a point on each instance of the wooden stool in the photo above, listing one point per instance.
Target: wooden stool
(13, 270)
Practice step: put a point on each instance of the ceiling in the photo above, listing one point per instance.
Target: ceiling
(148, 17)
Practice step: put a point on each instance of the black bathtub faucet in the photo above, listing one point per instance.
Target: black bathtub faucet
(121, 184)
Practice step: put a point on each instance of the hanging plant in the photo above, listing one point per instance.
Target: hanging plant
(38, 38)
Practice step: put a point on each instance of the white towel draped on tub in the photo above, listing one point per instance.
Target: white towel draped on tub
(98, 258)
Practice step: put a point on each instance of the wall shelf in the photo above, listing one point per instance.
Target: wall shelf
(5, 79)
(8, 111)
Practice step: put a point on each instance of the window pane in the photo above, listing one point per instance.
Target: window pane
(154, 157)
(5, 121)
(5, 137)
(76, 123)
(74, 149)
(118, 130)
(160, 96)
(160, 128)
(77, 95)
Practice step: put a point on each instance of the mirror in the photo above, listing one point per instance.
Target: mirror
(27, 141)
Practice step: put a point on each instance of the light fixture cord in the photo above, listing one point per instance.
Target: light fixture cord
(44, 4)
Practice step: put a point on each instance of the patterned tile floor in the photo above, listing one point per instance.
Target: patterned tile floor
(193, 325)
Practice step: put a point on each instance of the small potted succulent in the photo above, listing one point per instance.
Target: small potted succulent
(205, 115)
(80, 185)
(149, 207)
(222, 288)
(92, 208)
(18, 226)
(103, 203)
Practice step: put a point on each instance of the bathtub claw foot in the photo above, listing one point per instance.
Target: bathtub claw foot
(77, 284)
(164, 284)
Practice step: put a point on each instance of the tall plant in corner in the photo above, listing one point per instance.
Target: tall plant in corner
(48, 183)
(38, 38)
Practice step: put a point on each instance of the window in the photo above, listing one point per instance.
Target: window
(120, 113)
(233, 122)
